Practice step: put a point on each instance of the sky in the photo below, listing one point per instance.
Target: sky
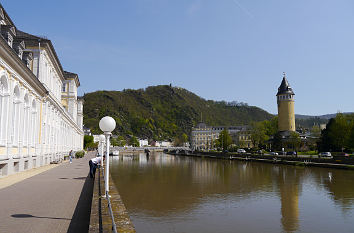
(232, 50)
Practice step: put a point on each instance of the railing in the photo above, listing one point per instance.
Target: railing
(114, 226)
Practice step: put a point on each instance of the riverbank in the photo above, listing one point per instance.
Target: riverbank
(338, 162)
(100, 219)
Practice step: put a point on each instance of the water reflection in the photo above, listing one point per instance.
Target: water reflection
(163, 187)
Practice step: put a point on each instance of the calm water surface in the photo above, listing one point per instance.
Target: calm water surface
(164, 193)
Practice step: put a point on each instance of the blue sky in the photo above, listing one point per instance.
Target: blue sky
(219, 49)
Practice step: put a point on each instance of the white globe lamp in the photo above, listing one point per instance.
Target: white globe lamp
(107, 125)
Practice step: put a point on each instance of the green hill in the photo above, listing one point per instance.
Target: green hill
(163, 112)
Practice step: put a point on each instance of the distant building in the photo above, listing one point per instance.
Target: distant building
(96, 138)
(87, 131)
(323, 126)
(161, 144)
(286, 113)
(165, 144)
(203, 137)
(143, 142)
(155, 144)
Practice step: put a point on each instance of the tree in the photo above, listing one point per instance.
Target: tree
(134, 141)
(121, 141)
(277, 142)
(88, 140)
(224, 140)
(337, 135)
(258, 133)
(339, 132)
(294, 140)
(271, 126)
(316, 131)
(180, 140)
(92, 145)
(114, 142)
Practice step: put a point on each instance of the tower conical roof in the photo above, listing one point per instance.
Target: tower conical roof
(285, 88)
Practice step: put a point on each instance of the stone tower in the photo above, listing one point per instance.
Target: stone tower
(286, 113)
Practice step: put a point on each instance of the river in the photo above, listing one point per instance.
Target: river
(165, 193)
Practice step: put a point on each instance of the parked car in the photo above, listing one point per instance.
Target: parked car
(325, 154)
(293, 153)
(274, 153)
(241, 151)
(343, 154)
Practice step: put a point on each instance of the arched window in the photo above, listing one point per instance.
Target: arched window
(25, 120)
(4, 96)
(34, 124)
(15, 116)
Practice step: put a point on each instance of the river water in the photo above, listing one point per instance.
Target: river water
(165, 193)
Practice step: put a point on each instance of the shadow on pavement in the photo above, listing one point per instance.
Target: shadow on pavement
(81, 219)
(32, 216)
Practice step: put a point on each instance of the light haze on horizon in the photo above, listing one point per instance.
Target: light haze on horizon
(232, 50)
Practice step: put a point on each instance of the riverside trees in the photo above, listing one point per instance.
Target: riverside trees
(224, 140)
(262, 131)
(339, 134)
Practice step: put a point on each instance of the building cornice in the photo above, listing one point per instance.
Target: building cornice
(13, 60)
(54, 57)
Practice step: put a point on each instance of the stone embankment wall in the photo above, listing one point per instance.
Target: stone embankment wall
(341, 162)
(100, 220)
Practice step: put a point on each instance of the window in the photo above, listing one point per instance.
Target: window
(63, 87)
(28, 62)
(20, 52)
(33, 124)
(25, 119)
(9, 39)
(15, 116)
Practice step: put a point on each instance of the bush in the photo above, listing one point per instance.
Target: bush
(79, 154)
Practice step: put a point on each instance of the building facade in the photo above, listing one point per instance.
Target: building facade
(286, 113)
(39, 122)
(203, 137)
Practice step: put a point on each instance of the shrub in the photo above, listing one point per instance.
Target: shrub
(79, 154)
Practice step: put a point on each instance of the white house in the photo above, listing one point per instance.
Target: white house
(143, 142)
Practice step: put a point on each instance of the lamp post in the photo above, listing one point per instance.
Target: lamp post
(102, 138)
(107, 125)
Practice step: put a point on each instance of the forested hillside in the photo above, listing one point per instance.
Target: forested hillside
(163, 112)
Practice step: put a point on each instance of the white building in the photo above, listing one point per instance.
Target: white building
(166, 144)
(203, 137)
(40, 114)
(143, 142)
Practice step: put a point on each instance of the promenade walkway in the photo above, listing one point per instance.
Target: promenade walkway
(57, 200)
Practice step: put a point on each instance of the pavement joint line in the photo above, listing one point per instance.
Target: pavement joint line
(20, 176)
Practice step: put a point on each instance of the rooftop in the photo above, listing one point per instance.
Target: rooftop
(285, 87)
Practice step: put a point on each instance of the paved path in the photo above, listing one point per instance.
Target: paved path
(57, 200)
(17, 177)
